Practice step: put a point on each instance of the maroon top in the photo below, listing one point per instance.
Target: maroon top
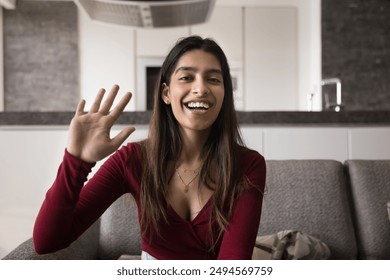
(69, 209)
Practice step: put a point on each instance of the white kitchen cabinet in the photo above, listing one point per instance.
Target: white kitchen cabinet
(306, 143)
(29, 159)
(106, 58)
(1, 63)
(253, 137)
(271, 63)
(225, 26)
(269, 44)
(369, 143)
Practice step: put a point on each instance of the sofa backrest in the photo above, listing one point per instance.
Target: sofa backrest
(370, 188)
(305, 195)
(310, 196)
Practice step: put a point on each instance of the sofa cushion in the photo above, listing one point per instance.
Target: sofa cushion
(370, 187)
(309, 196)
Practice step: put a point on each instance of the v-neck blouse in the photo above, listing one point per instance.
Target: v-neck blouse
(70, 207)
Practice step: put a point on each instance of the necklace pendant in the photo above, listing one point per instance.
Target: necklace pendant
(186, 185)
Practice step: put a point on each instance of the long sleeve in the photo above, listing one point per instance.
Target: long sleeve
(70, 207)
(239, 238)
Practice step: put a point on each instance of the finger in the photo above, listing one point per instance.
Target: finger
(115, 113)
(80, 108)
(109, 100)
(122, 136)
(98, 100)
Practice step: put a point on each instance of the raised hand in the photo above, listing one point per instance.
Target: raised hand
(89, 133)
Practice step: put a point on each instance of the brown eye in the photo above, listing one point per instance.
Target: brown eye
(215, 80)
(185, 78)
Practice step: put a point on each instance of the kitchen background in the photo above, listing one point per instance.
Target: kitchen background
(351, 44)
(261, 42)
(279, 50)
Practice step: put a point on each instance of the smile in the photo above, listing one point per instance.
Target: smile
(198, 105)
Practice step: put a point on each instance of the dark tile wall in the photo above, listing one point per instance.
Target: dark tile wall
(41, 63)
(356, 49)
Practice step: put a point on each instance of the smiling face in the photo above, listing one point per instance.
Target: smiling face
(196, 90)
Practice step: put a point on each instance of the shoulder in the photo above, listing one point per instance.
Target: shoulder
(250, 158)
(134, 147)
(253, 167)
(128, 156)
(132, 150)
(128, 160)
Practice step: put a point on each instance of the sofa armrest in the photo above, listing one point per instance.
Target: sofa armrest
(84, 248)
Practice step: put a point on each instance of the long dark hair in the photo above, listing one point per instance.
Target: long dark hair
(164, 145)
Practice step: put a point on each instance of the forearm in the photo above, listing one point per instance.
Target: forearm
(55, 226)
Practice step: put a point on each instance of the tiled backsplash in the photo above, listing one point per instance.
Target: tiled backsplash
(356, 49)
(41, 62)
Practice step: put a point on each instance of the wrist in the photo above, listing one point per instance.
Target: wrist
(83, 166)
(78, 156)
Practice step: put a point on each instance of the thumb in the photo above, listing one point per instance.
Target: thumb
(122, 136)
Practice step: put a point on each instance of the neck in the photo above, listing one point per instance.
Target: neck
(192, 145)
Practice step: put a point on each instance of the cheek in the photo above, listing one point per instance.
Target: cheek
(176, 104)
(177, 108)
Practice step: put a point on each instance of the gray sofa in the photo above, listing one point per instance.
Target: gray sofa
(343, 205)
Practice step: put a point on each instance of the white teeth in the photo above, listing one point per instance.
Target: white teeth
(202, 105)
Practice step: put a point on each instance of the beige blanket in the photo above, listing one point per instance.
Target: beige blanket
(290, 245)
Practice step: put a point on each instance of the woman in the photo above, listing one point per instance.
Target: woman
(198, 190)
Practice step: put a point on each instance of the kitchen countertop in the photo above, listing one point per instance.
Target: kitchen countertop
(286, 118)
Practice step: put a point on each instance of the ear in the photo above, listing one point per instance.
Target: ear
(165, 94)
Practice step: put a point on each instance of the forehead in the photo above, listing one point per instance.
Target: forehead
(198, 59)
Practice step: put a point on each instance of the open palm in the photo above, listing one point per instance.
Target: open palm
(89, 133)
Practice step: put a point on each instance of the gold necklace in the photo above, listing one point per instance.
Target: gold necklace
(187, 185)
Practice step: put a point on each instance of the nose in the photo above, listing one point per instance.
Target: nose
(200, 87)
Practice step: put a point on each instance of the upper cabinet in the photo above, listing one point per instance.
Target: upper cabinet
(271, 58)
(225, 26)
(273, 49)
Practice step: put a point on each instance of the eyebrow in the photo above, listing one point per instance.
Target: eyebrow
(194, 69)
